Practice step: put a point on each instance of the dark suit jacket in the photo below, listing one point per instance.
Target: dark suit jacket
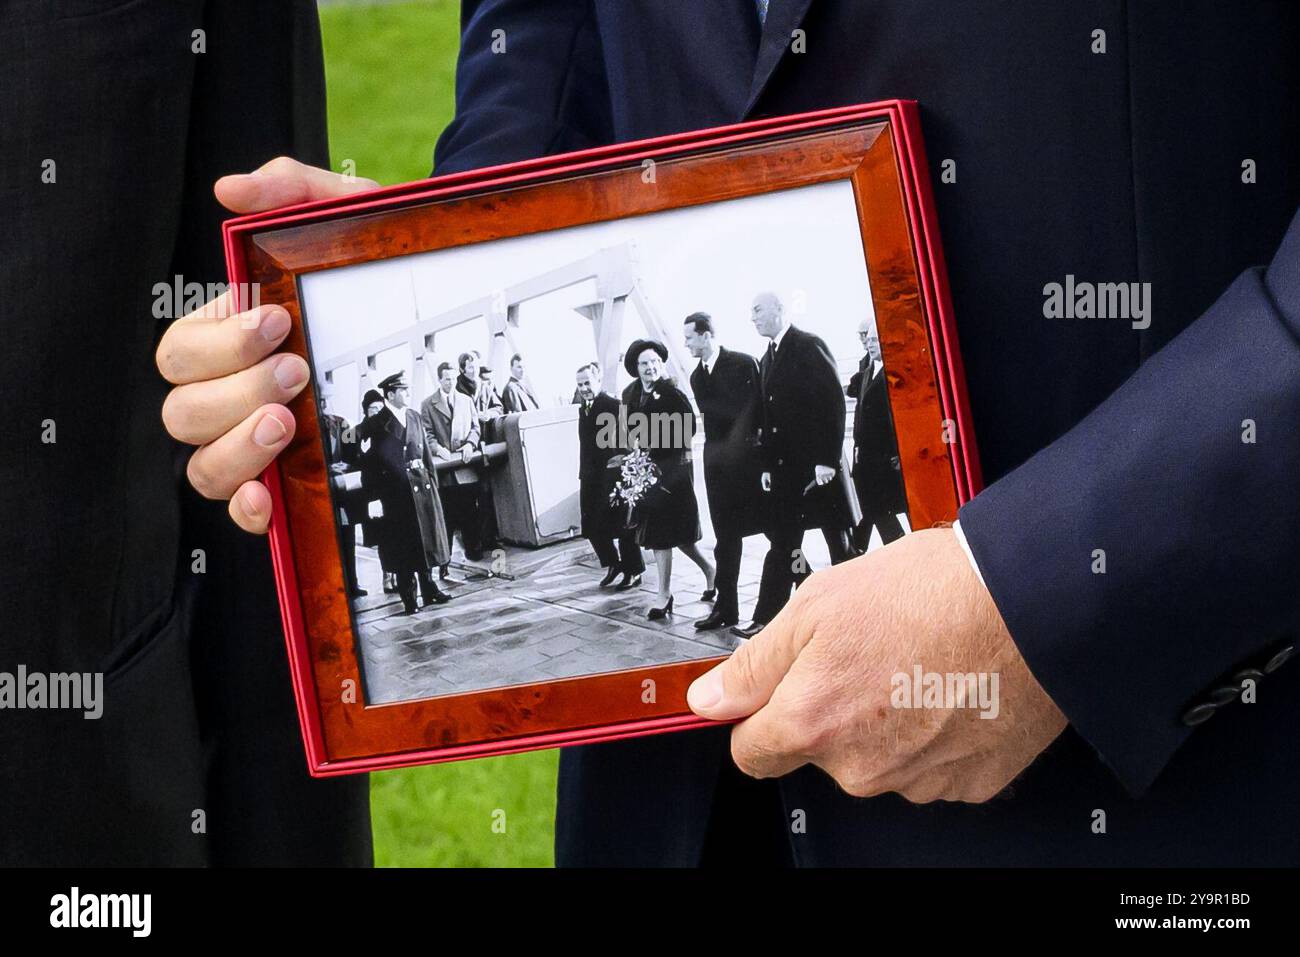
(200, 711)
(595, 480)
(342, 445)
(730, 407)
(803, 427)
(592, 457)
(802, 405)
(338, 446)
(1093, 434)
(875, 449)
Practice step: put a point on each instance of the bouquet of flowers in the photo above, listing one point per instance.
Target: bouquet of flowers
(637, 476)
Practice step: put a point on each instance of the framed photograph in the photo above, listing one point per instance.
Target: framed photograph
(573, 420)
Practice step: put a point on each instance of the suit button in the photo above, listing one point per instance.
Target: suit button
(1199, 714)
(780, 461)
(1279, 659)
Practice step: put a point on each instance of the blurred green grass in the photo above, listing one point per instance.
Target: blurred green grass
(390, 73)
(390, 76)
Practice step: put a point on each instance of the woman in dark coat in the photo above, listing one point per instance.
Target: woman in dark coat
(661, 420)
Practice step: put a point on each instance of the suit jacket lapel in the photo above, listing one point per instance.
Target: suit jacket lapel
(783, 350)
(766, 364)
(441, 406)
(783, 17)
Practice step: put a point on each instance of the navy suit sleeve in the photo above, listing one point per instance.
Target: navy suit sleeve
(1200, 528)
(529, 81)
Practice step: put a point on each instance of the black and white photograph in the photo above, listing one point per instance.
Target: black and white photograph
(736, 435)
(604, 447)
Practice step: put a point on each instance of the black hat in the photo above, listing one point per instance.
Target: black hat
(634, 352)
(395, 381)
(370, 396)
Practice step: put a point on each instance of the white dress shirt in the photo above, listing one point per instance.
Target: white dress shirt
(965, 547)
(710, 362)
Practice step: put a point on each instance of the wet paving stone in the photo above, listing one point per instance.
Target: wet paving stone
(551, 622)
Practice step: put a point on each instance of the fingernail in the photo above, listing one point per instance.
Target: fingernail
(275, 323)
(269, 431)
(290, 372)
(249, 509)
(705, 691)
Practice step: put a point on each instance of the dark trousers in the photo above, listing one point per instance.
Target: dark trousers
(406, 582)
(891, 529)
(486, 515)
(349, 535)
(875, 515)
(748, 824)
(461, 507)
(785, 567)
(626, 557)
(198, 712)
(726, 555)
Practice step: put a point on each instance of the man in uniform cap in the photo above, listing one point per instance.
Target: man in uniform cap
(409, 547)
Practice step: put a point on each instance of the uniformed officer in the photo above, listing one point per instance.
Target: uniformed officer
(415, 531)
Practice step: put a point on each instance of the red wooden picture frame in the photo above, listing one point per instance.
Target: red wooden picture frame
(876, 147)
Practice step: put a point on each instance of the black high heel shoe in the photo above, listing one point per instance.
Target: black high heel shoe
(656, 614)
(709, 594)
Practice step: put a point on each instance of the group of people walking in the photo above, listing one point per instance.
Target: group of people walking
(414, 479)
(773, 447)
